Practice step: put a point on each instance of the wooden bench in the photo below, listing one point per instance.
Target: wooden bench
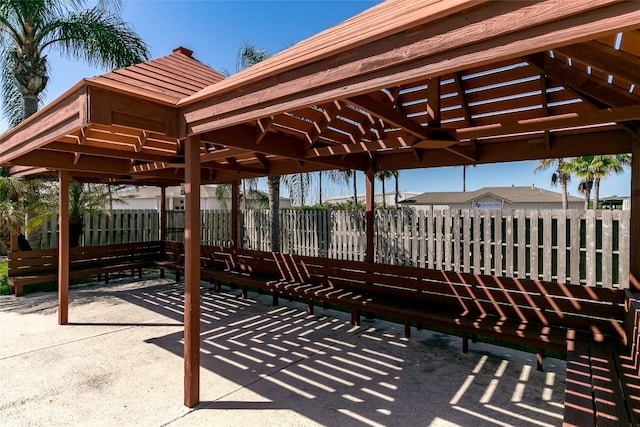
(603, 379)
(598, 328)
(172, 258)
(545, 315)
(30, 267)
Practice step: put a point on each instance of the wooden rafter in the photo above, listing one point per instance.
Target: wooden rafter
(604, 58)
(464, 104)
(570, 145)
(329, 114)
(262, 127)
(553, 122)
(582, 83)
(281, 145)
(389, 115)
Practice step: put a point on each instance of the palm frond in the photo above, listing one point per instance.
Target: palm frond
(12, 103)
(97, 37)
(249, 55)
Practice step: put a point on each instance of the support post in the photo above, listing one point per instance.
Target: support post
(13, 241)
(235, 212)
(634, 261)
(63, 248)
(369, 212)
(192, 273)
(163, 213)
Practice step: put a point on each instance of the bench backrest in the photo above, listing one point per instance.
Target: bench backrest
(600, 311)
(46, 261)
(597, 310)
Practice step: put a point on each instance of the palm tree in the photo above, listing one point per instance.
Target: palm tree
(32, 28)
(397, 186)
(582, 168)
(604, 167)
(559, 175)
(383, 176)
(334, 175)
(298, 186)
(351, 175)
(85, 199)
(249, 55)
(10, 215)
(592, 169)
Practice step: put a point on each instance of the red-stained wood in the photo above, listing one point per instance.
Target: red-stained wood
(369, 213)
(495, 37)
(192, 273)
(63, 248)
(634, 257)
(235, 213)
(163, 212)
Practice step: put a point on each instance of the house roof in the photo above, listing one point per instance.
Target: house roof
(509, 194)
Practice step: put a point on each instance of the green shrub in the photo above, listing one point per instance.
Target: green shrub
(4, 286)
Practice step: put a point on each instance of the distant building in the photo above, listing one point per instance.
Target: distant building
(615, 202)
(494, 198)
(390, 198)
(149, 198)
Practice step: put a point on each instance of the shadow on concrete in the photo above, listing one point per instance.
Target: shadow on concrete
(322, 368)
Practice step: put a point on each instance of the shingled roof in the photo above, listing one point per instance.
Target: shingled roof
(167, 79)
(508, 194)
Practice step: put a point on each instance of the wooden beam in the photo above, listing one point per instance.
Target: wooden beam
(163, 212)
(63, 248)
(192, 273)
(222, 153)
(582, 83)
(328, 115)
(262, 127)
(434, 101)
(567, 145)
(604, 58)
(634, 256)
(463, 152)
(369, 212)
(540, 124)
(233, 165)
(22, 140)
(393, 140)
(65, 161)
(117, 153)
(281, 145)
(389, 115)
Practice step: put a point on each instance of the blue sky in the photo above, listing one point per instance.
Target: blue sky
(215, 30)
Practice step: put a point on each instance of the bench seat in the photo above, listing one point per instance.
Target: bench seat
(31, 267)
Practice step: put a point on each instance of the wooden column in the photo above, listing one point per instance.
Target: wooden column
(13, 241)
(634, 261)
(192, 273)
(163, 213)
(235, 213)
(63, 249)
(369, 212)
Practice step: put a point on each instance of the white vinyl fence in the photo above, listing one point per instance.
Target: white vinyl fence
(571, 246)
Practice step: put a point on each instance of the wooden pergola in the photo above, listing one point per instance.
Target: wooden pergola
(406, 84)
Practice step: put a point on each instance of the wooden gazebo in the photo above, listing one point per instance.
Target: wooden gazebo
(405, 84)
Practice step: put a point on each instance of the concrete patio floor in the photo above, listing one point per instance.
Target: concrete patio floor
(119, 363)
